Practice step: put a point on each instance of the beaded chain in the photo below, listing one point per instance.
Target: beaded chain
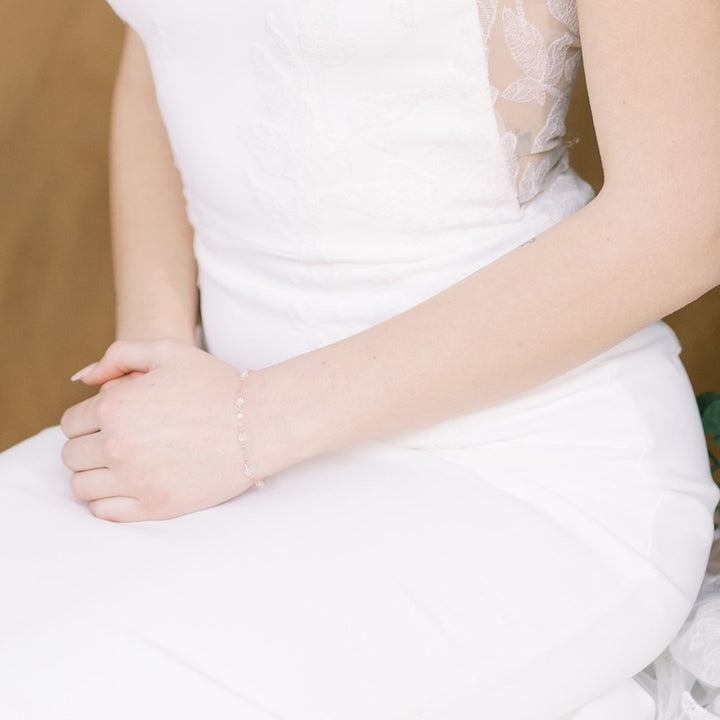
(242, 436)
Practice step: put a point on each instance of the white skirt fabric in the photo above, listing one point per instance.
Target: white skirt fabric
(519, 563)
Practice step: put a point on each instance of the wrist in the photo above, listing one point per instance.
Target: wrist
(156, 330)
(277, 420)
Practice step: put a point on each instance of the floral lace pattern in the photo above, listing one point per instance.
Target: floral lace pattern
(685, 679)
(533, 57)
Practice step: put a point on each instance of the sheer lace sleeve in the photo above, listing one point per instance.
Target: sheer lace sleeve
(533, 58)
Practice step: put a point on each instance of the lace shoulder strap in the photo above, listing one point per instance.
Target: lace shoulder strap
(533, 57)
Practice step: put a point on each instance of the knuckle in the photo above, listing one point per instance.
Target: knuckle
(65, 422)
(78, 487)
(66, 455)
(103, 511)
(69, 421)
(152, 499)
(115, 348)
(106, 406)
(107, 386)
(113, 353)
(155, 503)
(115, 448)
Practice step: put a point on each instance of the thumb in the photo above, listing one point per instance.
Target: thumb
(121, 358)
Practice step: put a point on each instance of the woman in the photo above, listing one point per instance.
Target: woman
(486, 490)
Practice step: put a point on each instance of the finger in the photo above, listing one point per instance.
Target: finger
(116, 509)
(81, 419)
(97, 484)
(110, 384)
(80, 374)
(85, 452)
(123, 357)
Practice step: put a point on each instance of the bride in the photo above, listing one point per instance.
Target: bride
(439, 458)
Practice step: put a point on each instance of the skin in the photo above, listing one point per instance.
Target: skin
(152, 239)
(652, 235)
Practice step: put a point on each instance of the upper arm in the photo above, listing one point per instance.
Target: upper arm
(653, 74)
(134, 76)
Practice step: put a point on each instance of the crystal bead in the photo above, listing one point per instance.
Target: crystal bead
(260, 484)
(242, 436)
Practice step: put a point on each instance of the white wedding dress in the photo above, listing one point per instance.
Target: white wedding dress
(343, 161)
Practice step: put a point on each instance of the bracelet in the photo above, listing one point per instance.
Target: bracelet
(242, 436)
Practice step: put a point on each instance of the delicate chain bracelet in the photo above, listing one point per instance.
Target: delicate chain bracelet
(242, 436)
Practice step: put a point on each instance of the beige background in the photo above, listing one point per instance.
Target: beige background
(57, 62)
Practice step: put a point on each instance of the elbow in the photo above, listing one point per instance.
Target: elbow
(713, 256)
(696, 247)
(677, 229)
(680, 215)
(699, 230)
(712, 222)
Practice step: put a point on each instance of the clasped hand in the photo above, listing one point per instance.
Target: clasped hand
(160, 438)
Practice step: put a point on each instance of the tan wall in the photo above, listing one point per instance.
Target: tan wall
(57, 62)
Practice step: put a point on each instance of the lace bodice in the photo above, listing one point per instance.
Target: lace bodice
(406, 114)
(533, 58)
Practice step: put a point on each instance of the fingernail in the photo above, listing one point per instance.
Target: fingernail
(80, 374)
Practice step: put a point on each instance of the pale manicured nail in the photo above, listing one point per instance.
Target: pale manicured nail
(80, 374)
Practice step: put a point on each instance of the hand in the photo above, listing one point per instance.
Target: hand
(160, 438)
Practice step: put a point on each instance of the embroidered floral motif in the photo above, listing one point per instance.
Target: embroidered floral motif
(488, 14)
(533, 58)
(404, 11)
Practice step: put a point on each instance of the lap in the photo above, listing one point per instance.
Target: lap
(375, 582)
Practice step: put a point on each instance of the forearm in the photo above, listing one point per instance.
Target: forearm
(154, 268)
(649, 244)
(547, 307)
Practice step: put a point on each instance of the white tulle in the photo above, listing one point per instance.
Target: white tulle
(685, 679)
